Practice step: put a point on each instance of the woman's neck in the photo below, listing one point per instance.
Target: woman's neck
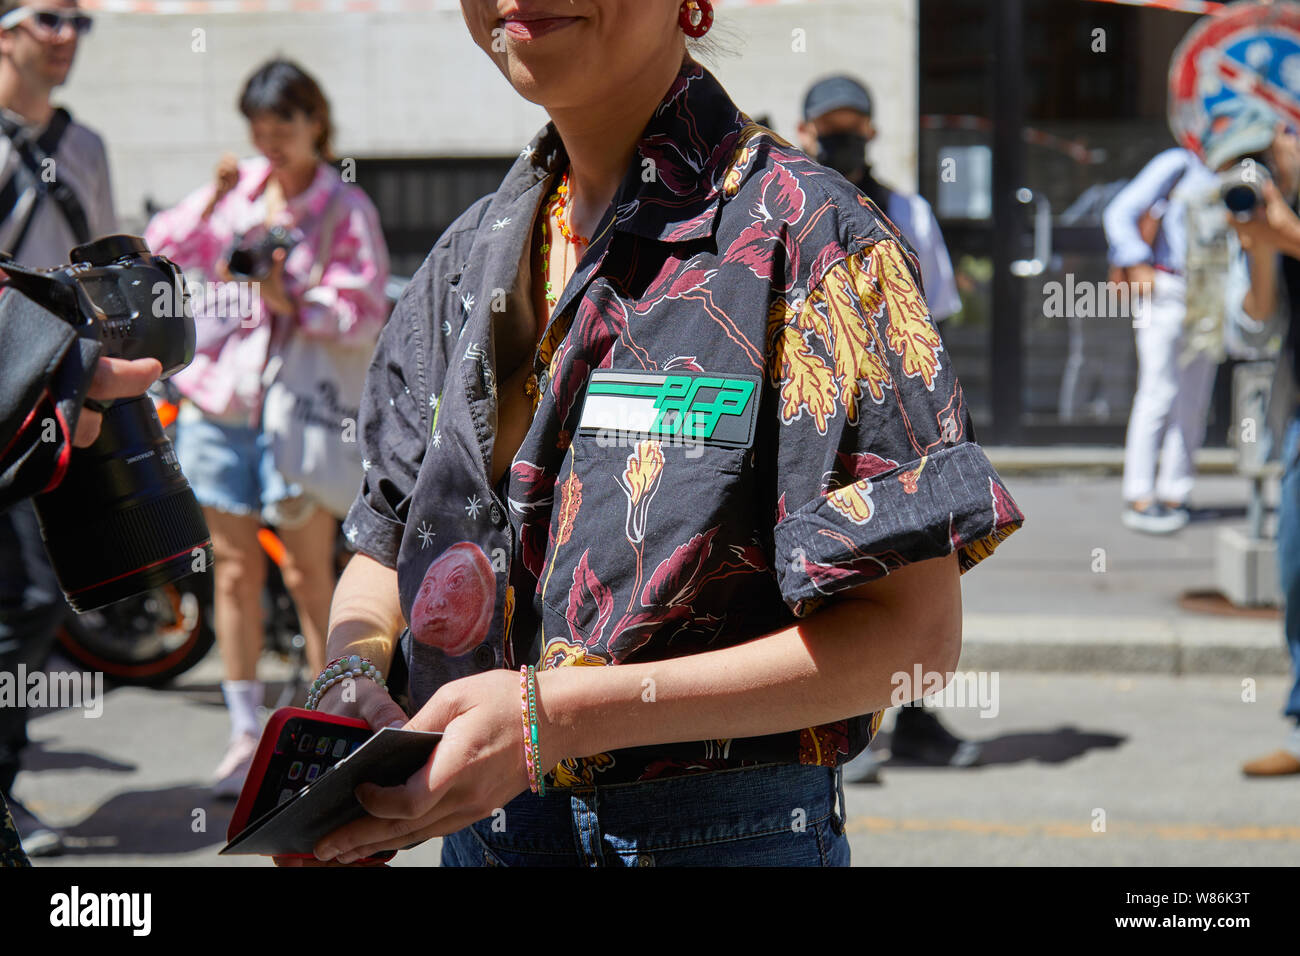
(295, 180)
(600, 140)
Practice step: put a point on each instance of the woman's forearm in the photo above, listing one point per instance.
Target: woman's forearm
(365, 614)
(838, 663)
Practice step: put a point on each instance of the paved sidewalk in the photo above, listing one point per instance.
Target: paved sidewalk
(1074, 590)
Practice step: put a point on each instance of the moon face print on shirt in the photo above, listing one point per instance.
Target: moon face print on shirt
(453, 609)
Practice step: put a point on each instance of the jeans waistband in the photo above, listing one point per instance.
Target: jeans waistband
(681, 810)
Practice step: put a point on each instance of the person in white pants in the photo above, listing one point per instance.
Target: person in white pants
(1168, 417)
(1146, 228)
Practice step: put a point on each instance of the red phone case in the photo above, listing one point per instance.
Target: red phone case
(262, 763)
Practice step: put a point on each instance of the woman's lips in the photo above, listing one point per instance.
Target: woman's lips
(532, 29)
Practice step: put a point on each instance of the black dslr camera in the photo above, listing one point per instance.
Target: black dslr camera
(124, 519)
(1242, 186)
(253, 259)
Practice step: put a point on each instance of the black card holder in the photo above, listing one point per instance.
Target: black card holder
(293, 828)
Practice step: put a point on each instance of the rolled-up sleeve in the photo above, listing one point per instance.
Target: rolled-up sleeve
(395, 427)
(877, 464)
(1123, 215)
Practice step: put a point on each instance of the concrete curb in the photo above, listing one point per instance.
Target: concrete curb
(1011, 460)
(1142, 645)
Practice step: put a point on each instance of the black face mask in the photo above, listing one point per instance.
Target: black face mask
(846, 153)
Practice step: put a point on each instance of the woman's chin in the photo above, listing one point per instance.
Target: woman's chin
(540, 80)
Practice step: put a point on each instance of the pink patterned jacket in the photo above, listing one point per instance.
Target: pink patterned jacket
(236, 330)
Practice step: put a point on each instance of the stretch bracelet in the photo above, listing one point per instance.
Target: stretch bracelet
(340, 669)
(532, 718)
(532, 747)
(528, 737)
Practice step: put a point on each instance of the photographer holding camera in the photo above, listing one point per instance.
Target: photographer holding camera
(54, 194)
(308, 263)
(27, 463)
(1258, 158)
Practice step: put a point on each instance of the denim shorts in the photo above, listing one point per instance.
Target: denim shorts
(771, 815)
(231, 469)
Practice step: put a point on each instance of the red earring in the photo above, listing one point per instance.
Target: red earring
(696, 17)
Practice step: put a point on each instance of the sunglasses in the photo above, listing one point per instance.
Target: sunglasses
(49, 21)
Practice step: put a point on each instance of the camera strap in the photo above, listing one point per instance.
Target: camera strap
(32, 155)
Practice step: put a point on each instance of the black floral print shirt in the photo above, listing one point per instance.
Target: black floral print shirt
(742, 407)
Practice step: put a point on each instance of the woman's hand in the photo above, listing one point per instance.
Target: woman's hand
(272, 288)
(1273, 226)
(478, 767)
(227, 178)
(372, 704)
(376, 708)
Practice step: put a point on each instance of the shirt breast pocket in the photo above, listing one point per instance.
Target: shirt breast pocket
(649, 538)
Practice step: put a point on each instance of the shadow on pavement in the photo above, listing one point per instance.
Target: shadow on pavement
(147, 822)
(1217, 513)
(37, 756)
(1049, 746)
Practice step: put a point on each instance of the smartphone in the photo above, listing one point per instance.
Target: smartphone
(297, 748)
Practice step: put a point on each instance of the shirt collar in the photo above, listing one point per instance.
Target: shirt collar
(311, 200)
(673, 188)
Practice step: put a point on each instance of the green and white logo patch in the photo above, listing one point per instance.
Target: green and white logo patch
(689, 407)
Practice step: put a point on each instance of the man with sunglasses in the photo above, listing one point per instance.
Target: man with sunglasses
(54, 195)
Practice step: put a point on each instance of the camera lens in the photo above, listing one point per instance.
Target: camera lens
(242, 262)
(1241, 199)
(124, 519)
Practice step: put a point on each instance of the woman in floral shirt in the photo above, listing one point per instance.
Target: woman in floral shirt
(666, 417)
(330, 285)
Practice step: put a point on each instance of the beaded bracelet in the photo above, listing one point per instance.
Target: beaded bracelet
(340, 669)
(532, 746)
(528, 737)
(532, 716)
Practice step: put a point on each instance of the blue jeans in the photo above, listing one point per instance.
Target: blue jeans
(772, 815)
(231, 469)
(1288, 556)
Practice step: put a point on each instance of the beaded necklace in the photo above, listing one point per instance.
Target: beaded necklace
(556, 206)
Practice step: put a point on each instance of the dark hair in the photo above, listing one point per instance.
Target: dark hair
(284, 88)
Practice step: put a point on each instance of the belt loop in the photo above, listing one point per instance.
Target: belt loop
(842, 818)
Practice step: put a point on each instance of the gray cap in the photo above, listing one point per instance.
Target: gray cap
(835, 93)
(1239, 127)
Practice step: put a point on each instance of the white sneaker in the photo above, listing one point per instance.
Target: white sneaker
(1155, 518)
(229, 777)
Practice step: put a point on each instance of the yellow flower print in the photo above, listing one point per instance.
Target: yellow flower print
(804, 379)
(911, 334)
(853, 501)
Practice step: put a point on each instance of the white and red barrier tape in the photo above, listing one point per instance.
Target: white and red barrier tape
(205, 7)
(1176, 6)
